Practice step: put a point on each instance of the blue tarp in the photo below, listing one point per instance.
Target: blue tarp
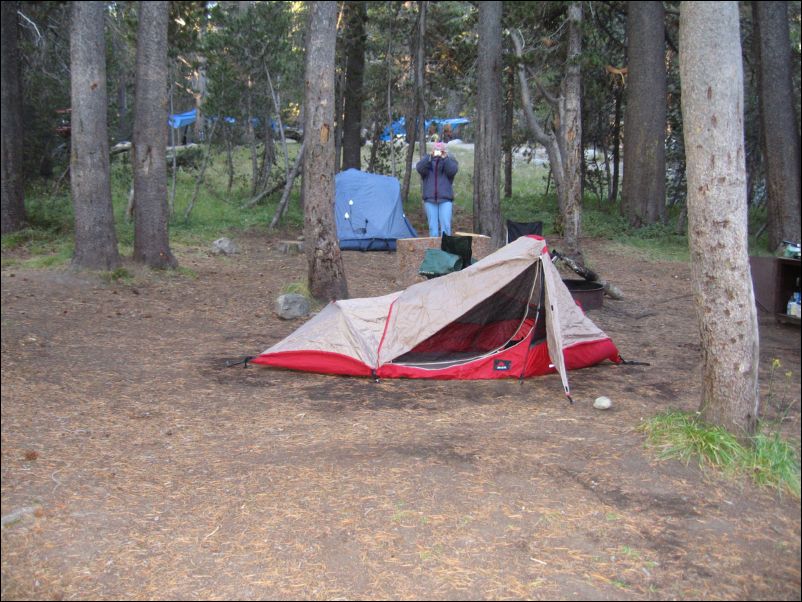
(369, 212)
(398, 128)
(179, 120)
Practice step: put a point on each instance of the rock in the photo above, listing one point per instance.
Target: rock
(18, 514)
(291, 247)
(602, 403)
(224, 246)
(292, 305)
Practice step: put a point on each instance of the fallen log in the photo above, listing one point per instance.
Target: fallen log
(610, 289)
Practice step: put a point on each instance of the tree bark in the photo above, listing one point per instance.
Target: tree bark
(277, 106)
(151, 214)
(780, 138)
(616, 144)
(409, 124)
(389, 67)
(123, 117)
(354, 74)
(339, 109)
(509, 108)
(712, 111)
(571, 135)
(326, 274)
(13, 195)
(644, 192)
(420, 68)
(487, 158)
(95, 237)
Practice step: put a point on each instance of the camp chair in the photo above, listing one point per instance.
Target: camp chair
(517, 229)
(458, 245)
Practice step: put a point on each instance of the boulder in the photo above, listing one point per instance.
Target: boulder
(292, 305)
(224, 246)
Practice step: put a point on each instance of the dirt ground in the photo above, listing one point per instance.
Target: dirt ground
(136, 465)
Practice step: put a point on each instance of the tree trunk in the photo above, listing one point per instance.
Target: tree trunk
(174, 173)
(487, 158)
(712, 111)
(123, 117)
(644, 194)
(420, 67)
(284, 202)
(326, 274)
(411, 135)
(616, 144)
(151, 240)
(277, 106)
(355, 71)
(13, 199)
(374, 145)
(268, 154)
(571, 135)
(780, 128)
(250, 134)
(509, 108)
(389, 67)
(339, 108)
(95, 237)
(564, 149)
(542, 136)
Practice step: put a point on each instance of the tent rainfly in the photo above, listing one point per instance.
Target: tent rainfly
(508, 315)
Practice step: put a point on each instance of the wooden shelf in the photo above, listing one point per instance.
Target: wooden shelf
(775, 279)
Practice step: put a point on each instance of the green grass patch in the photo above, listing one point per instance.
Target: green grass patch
(218, 209)
(774, 462)
(59, 258)
(297, 288)
(118, 275)
(769, 459)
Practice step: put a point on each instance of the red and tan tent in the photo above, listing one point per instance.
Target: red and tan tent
(508, 315)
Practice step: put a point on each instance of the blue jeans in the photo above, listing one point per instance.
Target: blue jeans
(439, 217)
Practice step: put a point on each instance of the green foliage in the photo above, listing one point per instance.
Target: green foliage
(45, 54)
(118, 275)
(769, 459)
(297, 288)
(240, 48)
(48, 240)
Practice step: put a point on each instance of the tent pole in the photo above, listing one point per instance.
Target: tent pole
(537, 317)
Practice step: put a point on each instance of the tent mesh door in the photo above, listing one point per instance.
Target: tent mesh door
(498, 322)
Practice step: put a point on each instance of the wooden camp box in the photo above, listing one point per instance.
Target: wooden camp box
(410, 252)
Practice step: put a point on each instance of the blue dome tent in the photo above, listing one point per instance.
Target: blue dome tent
(369, 212)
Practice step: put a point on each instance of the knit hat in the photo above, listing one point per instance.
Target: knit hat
(439, 146)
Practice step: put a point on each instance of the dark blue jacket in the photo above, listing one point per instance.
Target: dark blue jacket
(437, 177)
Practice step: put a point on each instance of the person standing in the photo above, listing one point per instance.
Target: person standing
(437, 171)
